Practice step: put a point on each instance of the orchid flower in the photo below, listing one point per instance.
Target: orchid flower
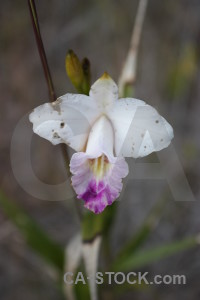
(103, 130)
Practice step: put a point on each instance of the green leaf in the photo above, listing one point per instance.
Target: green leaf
(35, 237)
(142, 234)
(142, 258)
(82, 290)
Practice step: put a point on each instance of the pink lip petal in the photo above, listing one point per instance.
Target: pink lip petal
(97, 193)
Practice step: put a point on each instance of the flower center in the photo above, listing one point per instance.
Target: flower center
(99, 166)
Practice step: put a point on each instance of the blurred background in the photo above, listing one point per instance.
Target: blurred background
(168, 78)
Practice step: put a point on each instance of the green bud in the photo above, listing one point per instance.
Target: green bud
(87, 76)
(74, 70)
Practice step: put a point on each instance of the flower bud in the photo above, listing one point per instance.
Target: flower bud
(74, 70)
(87, 75)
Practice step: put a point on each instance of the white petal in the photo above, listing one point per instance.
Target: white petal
(101, 139)
(104, 92)
(91, 257)
(139, 129)
(73, 254)
(67, 120)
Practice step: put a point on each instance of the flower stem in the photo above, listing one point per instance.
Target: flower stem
(128, 74)
(36, 28)
(41, 50)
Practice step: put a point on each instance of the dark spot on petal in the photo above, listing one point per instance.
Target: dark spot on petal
(145, 147)
(62, 124)
(142, 135)
(157, 121)
(55, 135)
(161, 140)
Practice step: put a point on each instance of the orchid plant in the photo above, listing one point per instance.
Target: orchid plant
(103, 130)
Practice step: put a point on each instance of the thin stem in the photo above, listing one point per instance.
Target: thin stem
(52, 94)
(128, 74)
(34, 18)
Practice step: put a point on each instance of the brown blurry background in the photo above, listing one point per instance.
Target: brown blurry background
(168, 78)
